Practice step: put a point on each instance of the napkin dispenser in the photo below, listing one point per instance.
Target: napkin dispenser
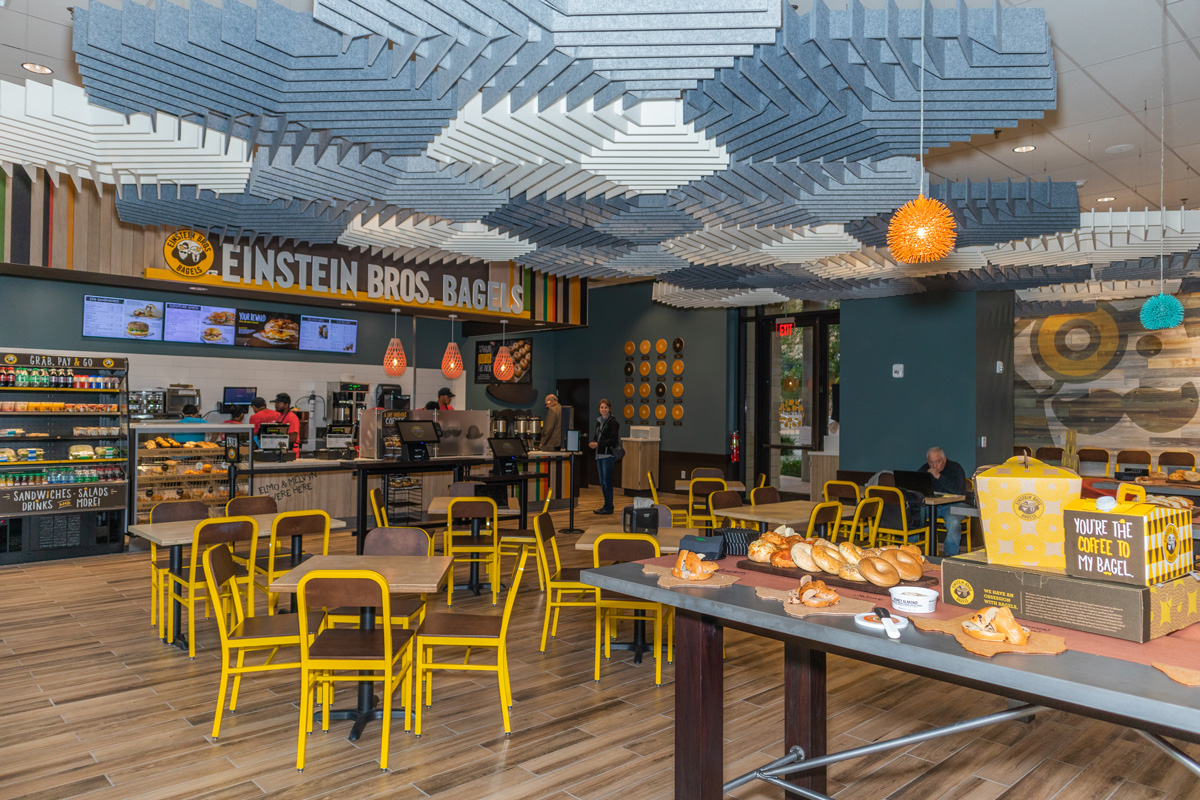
(640, 520)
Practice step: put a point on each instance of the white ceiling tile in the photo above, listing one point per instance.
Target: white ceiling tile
(1090, 31)
(1136, 80)
(1080, 100)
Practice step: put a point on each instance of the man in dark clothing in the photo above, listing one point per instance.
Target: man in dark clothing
(948, 478)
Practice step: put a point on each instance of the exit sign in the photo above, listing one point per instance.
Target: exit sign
(784, 327)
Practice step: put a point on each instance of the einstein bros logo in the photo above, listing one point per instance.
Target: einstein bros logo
(1028, 506)
(962, 591)
(188, 253)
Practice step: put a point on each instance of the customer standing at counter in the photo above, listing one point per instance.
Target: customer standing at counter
(552, 427)
(444, 398)
(608, 436)
(948, 478)
(191, 415)
(286, 416)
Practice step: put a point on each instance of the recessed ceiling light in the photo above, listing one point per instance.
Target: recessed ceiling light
(198, 288)
(40, 69)
(538, 324)
(1119, 148)
(347, 305)
(1105, 199)
(1025, 148)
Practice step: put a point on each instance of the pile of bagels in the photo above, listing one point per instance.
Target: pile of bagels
(882, 566)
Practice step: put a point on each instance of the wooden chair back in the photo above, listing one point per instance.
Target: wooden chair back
(398, 542)
(1093, 455)
(319, 591)
(866, 518)
(1170, 458)
(250, 506)
(1139, 458)
(1022, 450)
(225, 530)
(179, 511)
(723, 499)
(824, 514)
(842, 491)
(708, 472)
(475, 508)
(464, 488)
(1049, 454)
(764, 495)
(619, 548)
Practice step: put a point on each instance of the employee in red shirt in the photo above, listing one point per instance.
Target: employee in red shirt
(261, 414)
(444, 398)
(283, 410)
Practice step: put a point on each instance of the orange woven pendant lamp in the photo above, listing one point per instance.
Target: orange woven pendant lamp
(452, 362)
(394, 362)
(502, 365)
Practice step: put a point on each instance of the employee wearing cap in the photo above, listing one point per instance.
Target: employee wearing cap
(283, 410)
(444, 397)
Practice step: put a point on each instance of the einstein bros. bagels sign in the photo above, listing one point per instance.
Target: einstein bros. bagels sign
(334, 272)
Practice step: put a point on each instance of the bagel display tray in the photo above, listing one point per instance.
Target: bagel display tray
(830, 580)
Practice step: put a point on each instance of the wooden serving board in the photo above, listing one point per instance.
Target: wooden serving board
(927, 581)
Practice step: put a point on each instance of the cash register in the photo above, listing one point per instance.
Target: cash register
(415, 437)
(507, 451)
(274, 443)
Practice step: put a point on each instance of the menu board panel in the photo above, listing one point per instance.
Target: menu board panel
(199, 324)
(267, 329)
(328, 335)
(122, 318)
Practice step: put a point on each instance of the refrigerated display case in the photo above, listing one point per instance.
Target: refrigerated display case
(195, 466)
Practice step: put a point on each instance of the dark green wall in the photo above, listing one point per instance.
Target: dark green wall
(994, 395)
(889, 423)
(48, 314)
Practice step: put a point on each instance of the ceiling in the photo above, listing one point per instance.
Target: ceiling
(740, 153)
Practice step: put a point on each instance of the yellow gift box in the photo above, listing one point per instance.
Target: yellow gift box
(1021, 504)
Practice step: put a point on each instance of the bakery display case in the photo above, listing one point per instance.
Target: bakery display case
(186, 461)
(63, 421)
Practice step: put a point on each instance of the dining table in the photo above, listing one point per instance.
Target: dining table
(682, 486)
(668, 538)
(793, 513)
(179, 534)
(404, 574)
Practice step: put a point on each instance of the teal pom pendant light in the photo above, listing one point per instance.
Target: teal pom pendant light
(1162, 311)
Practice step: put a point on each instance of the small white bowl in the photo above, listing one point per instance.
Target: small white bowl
(913, 599)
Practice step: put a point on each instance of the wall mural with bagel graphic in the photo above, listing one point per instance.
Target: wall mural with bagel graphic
(1100, 373)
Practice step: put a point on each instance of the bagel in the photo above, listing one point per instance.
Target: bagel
(774, 538)
(879, 571)
(781, 558)
(872, 551)
(827, 559)
(1004, 623)
(906, 564)
(972, 628)
(801, 554)
(692, 566)
(914, 550)
(792, 541)
(993, 624)
(828, 545)
(851, 572)
(850, 552)
(760, 550)
(784, 531)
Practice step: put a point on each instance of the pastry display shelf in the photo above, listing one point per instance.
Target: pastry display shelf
(74, 462)
(145, 504)
(117, 413)
(209, 477)
(57, 389)
(121, 482)
(176, 452)
(28, 438)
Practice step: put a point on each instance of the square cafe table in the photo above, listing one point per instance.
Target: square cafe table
(178, 535)
(794, 513)
(682, 486)
(410, 574)
(668, 538)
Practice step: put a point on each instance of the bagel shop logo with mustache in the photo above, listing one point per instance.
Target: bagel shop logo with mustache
(1028, 506)
(188, 253)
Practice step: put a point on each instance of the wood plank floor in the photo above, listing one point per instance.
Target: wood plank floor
(94, 706)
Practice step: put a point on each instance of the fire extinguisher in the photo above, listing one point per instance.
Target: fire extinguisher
(735, 448)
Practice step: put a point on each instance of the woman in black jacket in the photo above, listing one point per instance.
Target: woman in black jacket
(608, 436)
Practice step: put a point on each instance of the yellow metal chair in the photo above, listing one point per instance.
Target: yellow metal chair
(249, 506)
(469, 631)
(717, 501)
(828, 518)
(619, 548)
(762, 481)
(171, 511)
(1174, 459)
(280, 558)
(891, 496)
(698, 513)
(560, 582)
(407, 609)
(243, 634)
(678, 510)
(845, 492)
(1093, 455)
(383, 654)
(1133, 458)
(512, 542)
(185, 587)
(865, 524)
(708, 472)
(764, 495)
(378, 507)
(475, 544)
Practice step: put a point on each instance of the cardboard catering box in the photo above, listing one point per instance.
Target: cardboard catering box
(1136, 613)
(1021, 507)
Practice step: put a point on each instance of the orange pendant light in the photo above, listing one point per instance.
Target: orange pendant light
(503, 367)
(452, 362)
(394, 362)
(922, 230)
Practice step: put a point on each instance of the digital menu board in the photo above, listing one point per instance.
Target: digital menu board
(328, 335)
(267, 329)
(197, 324)
(122, 318)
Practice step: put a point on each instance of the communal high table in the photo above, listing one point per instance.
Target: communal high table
(1126, 693)
(365, 468)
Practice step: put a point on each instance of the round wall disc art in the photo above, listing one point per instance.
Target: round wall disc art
(645, 347)
(660, 368)
(629, 390)
(677, 390)
(660, 412)
(630, 348)
(677, 413)
(628, 411)
(644, 368)
(628, 368)
(644, 412)
(677, 367)
(660, 390)
(677, 345)
(644, 390)
(660, 346)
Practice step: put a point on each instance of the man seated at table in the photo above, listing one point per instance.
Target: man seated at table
(948, 478)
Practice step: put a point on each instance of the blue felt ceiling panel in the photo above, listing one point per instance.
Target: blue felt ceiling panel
(267, 74)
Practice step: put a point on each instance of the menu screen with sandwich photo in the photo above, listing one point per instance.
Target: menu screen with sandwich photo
(197, 324)
(328, 335)
(267, 329)
(122, 318)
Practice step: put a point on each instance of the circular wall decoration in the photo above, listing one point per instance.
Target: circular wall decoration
(644, 412)
(628, 368)
(677, 345)
(1079, 348)
(645, 347)
(660, 390)
(677, 367)
(644, 390)
(628, 411)
(644, 368)
(630, 348)
(677, 390)
(660, 412)
(660, 346)
(629, 390)
(660, 368)
(677, 413)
